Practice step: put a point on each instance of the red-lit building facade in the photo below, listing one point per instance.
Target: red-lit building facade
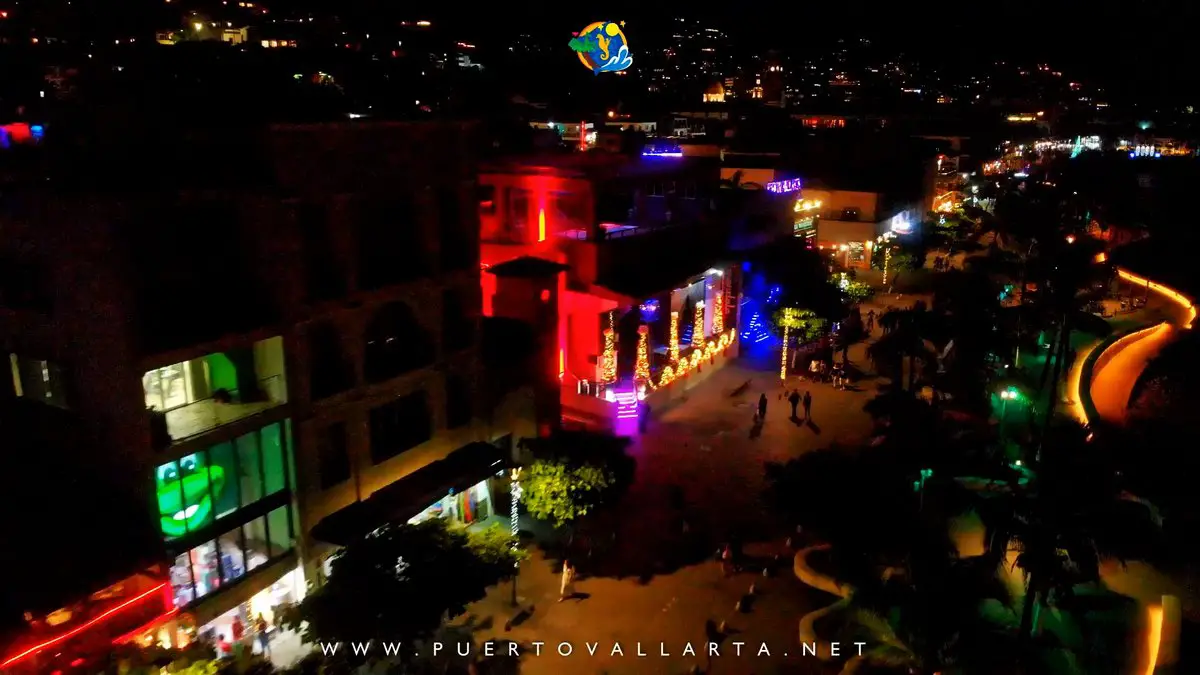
(645, 279)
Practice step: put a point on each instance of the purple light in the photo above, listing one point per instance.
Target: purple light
(657, 153)
(780, 187)
(627, 405)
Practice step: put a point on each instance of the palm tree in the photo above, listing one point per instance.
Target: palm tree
(905, 337)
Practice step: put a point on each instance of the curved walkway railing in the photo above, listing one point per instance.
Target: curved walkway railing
(1104, 351)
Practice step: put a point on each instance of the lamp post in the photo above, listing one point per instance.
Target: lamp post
(514, 491)
(919, 486)
(1010, 394)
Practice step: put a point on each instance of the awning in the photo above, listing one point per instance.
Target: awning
(412, 494)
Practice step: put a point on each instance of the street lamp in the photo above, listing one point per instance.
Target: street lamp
(1009, 394)
(919, 485)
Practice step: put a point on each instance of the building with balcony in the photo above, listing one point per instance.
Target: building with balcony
(224, 372)
(642, 276)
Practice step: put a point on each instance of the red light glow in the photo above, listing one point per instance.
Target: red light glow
(79, 629)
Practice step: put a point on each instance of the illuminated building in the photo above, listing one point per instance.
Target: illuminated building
(264, 377)
(608, 222)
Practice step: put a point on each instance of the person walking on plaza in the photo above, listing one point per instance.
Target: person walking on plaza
(261, 628)
(727, 560)
(807, 405)
(566, 588)
(794, 399)
(870, 321)
(762, 408)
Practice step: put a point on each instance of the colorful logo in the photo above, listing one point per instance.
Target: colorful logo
(186, 490)
(602, 48)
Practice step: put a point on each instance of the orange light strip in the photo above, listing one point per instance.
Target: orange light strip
(146, 627)
(1169, 293)
(541, 224)
(1075, 386)
(79, 629)
(562, 364)
(1154, 638)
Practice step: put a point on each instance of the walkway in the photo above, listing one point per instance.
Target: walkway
(653, 583)
(1120, 366)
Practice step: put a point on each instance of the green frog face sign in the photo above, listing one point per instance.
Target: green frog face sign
(186, 490)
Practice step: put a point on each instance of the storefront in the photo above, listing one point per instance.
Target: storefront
(288, 589)
(469, 506)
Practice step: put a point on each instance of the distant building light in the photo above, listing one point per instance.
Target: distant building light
(424, 24)
(661, 153)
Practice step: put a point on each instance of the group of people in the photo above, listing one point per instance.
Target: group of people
(225, 647)
(794, 398)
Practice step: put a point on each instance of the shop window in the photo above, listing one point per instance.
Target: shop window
(274, 469)
(225, 492)
(249, 469)
(396, 343)
(185, 492)
(689, 190)
(38, 380)
(458, 402)
(400, 425)
(205, 568)
(279, 529)
(257, 548)
(233, 560)
(517, 220)
(656, 189)
(333, 457)
(181, 580)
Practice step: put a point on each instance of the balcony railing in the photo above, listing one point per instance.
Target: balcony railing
(198, 417)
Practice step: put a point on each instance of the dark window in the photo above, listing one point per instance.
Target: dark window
(457, 245)
(395, 344)
(517, 218)
(458, 331)
(689, 191)
(330, 370)
(38, 380)
(23, 286)
(849, 214)
(487, 199)
(391, 249)
(459, 409)
(400, 425)
(333, 459)
(323, 279)
(656, 189)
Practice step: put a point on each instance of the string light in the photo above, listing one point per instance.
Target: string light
(783, 354)
(698, 326)
(694, 358)
(641, 369)
(718, 321)
(608, 364)
(674, 337)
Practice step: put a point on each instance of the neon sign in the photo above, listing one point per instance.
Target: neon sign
(780, 187)
(602, 48)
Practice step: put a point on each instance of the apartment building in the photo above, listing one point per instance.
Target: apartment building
(212, 358)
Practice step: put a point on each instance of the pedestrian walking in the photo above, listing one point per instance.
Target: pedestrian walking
(794, 399)
(567, 587)
(762, 408)
(870, 321)
(807, 405)
(727, 560)
(261, 627)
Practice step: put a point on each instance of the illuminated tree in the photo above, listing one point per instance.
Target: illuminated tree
(641, 369)
(698, 326)
(608, 360)
(718, 320)
(674, 337)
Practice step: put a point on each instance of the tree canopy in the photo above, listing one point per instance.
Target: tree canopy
(573, 473)
(400, 582)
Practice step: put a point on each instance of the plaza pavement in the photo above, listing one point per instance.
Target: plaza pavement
(652, 582)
